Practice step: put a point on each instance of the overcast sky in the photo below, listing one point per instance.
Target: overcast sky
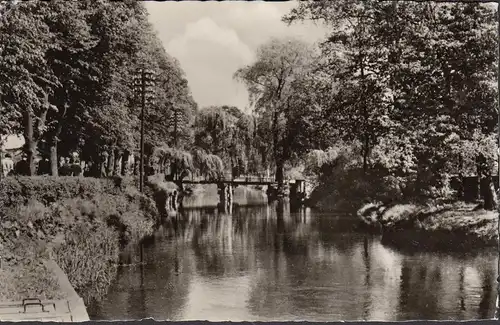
(213, 39)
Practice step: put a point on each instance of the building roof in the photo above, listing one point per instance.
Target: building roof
(11, 142)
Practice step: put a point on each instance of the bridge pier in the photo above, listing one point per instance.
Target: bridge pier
(172, 201)
(167, 202)
(226, 192)
(272, 192)
(298, 192)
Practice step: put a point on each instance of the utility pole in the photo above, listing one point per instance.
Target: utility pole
(143, 83)
(176, 114)
(177, 120)
(175, 127)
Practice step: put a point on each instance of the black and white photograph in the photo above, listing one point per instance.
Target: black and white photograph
(318, 160)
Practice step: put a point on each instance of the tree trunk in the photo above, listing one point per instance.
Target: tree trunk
(173, 171)
(366, 136)
(486, 187)
(111, 163)
(125, 165)
(488, 193)
(147, 167)
(366, 152)
(30, 144)
(478, 183)
(461, 189)
(54, 168)
(117, 163)
(280, 176)
(103, 163)
(277, 157)
(136, 165)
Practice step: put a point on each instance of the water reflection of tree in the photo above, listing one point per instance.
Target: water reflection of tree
(487, 303)
(368, 282)
(224, 244)
(217, 248)
(302, 277)
(462, 289)
(435, 286)
(154, 289)
(309, 266)
(166, 280)
(420, 289)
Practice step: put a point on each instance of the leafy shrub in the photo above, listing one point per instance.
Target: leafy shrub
(399, 213)
(130, 214)
(158, 189)
(16, 191)
(346, 189)
(369, 213)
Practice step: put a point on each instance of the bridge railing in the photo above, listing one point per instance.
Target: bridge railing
(228, 177)
(254, 178)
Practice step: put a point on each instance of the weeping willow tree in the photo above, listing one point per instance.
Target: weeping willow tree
(197, 163)
(228, 133)
(208, 165)
(167, 157)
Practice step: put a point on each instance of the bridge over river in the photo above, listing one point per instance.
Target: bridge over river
(228, 178)
(227, 182)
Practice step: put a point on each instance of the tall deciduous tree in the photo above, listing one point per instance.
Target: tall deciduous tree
(27, 80)
(269, 80)
(352, 53)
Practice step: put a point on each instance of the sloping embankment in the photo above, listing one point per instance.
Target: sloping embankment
(80, 223)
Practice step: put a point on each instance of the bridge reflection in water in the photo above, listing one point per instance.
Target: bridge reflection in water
(266, 263)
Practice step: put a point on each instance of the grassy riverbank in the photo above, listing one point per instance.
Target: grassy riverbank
(423, 222)
(451, 226)
(81, 223)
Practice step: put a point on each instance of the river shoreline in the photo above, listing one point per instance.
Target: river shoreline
(108, 206)
(454, 226)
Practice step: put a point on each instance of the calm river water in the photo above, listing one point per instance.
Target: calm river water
(266, 263)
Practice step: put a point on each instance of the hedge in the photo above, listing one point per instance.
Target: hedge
(16, 191)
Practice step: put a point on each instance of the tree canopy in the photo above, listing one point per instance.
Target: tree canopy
(278, 85)
(55, 54)
(413, 83)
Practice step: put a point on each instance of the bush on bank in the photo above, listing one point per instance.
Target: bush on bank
(161, 191)
(80, 222)
(346, 189)
(432, 226)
